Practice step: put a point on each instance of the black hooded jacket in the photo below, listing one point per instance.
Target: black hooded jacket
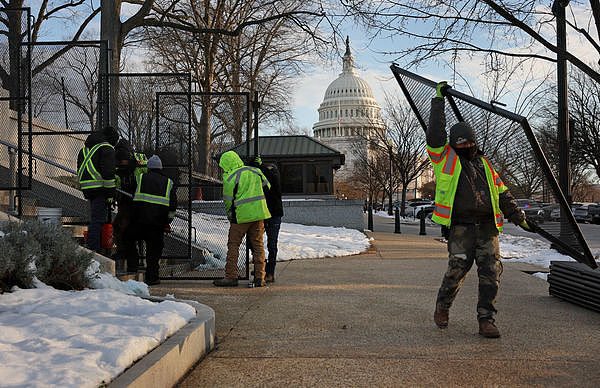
(273, 194)
(472, 201)
(104, 162)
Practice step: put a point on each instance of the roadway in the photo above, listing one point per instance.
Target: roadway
(591, 232)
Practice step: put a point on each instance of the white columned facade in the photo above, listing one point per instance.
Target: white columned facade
(348, 114)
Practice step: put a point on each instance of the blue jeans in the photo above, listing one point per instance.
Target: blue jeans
(272, 226)
(98, 215)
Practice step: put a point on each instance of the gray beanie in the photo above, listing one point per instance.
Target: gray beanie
(154, 162)
(460, 133)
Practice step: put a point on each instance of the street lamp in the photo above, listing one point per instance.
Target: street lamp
(390, 210)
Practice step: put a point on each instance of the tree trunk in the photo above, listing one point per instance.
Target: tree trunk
(403, 200)
(203, 136)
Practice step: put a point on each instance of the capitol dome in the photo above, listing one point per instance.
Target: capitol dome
(348, 116)
(348, 108)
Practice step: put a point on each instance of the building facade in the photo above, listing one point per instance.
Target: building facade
(348, 116)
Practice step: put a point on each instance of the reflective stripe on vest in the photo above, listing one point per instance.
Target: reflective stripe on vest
(495, 177)
(499, 219)
(238, 174)
(436, 158)
(450, 162)
(163, 200)
(442, 211)
(251, 199)
(87, 165)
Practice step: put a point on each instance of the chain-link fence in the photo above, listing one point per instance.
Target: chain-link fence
(509, 143)
(200, 192)
(15, 140)
(59, 92)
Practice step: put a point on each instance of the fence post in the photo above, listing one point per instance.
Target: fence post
(12, 170)
(370, 218)
(422, 231)
(397, 221)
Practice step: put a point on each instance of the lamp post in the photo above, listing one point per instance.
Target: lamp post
(390, 152)
(558, 9)
(564, 165)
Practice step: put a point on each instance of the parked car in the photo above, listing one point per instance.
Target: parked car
(551, 212)
(594, 213)
(535, 213)
(424, 210)
(532, 209)
(581, 214)
(412, 207)
(555, 214)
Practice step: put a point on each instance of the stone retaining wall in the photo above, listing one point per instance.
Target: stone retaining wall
(332, 212)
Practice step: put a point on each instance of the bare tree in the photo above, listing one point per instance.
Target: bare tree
(260, 57)
(405, 140)
(67, 89)
(371, 170)
(13, 25)
(443, 28)
(584, 100)
(547, 136)
(208, 21)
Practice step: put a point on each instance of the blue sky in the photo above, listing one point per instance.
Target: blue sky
(370, 66)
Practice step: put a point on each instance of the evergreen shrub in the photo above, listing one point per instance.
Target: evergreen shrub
(59, 261)
(18, 249)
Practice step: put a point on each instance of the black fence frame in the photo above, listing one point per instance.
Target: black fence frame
(250, 125)
(19, 185)
(586, 257)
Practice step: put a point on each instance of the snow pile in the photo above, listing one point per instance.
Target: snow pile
(79, 339)
(106, 280)
(529, 250)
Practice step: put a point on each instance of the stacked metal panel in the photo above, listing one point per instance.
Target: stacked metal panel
(576, 283)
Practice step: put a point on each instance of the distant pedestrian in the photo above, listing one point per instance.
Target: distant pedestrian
(154, 207)
(472, 201)
(96, 176)
(275, 205)
(246, 207)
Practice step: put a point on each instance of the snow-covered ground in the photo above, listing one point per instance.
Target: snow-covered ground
(79, 339)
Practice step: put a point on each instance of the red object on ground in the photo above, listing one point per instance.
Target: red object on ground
(199, 194)
(85, 235)
(107, 235)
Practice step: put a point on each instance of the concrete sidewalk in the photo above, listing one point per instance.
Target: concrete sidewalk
(366, 320)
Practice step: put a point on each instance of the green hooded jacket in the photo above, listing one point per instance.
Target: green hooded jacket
(243, 190)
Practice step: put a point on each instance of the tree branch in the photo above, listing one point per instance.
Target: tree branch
(222, 31)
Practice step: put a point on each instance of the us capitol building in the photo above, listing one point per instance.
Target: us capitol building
(348, 116)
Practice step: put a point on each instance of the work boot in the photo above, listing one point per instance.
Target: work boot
(440, 316)
(259, 283)
(270, 278)
(225, 282)
(488, 329)
(152, 281)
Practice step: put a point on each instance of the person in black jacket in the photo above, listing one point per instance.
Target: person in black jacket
(472, 201)
(154, 207)
(96, 176)
(125, 167)
(275, 205)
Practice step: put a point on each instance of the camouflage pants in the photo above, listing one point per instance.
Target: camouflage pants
(467, 244)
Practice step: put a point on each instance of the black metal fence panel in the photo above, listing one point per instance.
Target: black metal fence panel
(509, 143)
(15, 140)
(203, 186)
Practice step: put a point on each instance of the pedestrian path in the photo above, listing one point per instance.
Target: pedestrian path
(366, 320)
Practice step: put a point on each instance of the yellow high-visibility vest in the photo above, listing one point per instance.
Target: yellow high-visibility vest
(447, 168)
